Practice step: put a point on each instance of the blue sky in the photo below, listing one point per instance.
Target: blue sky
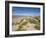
(25, 11)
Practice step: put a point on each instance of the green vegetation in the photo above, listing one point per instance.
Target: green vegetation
(37, 27)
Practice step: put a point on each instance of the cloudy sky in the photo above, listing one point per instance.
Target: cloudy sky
(25, 11)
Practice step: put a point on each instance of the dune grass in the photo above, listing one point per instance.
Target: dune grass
(30, 20)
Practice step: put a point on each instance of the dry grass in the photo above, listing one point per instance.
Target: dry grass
(24, 23)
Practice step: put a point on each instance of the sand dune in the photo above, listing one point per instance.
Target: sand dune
(25, 23)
